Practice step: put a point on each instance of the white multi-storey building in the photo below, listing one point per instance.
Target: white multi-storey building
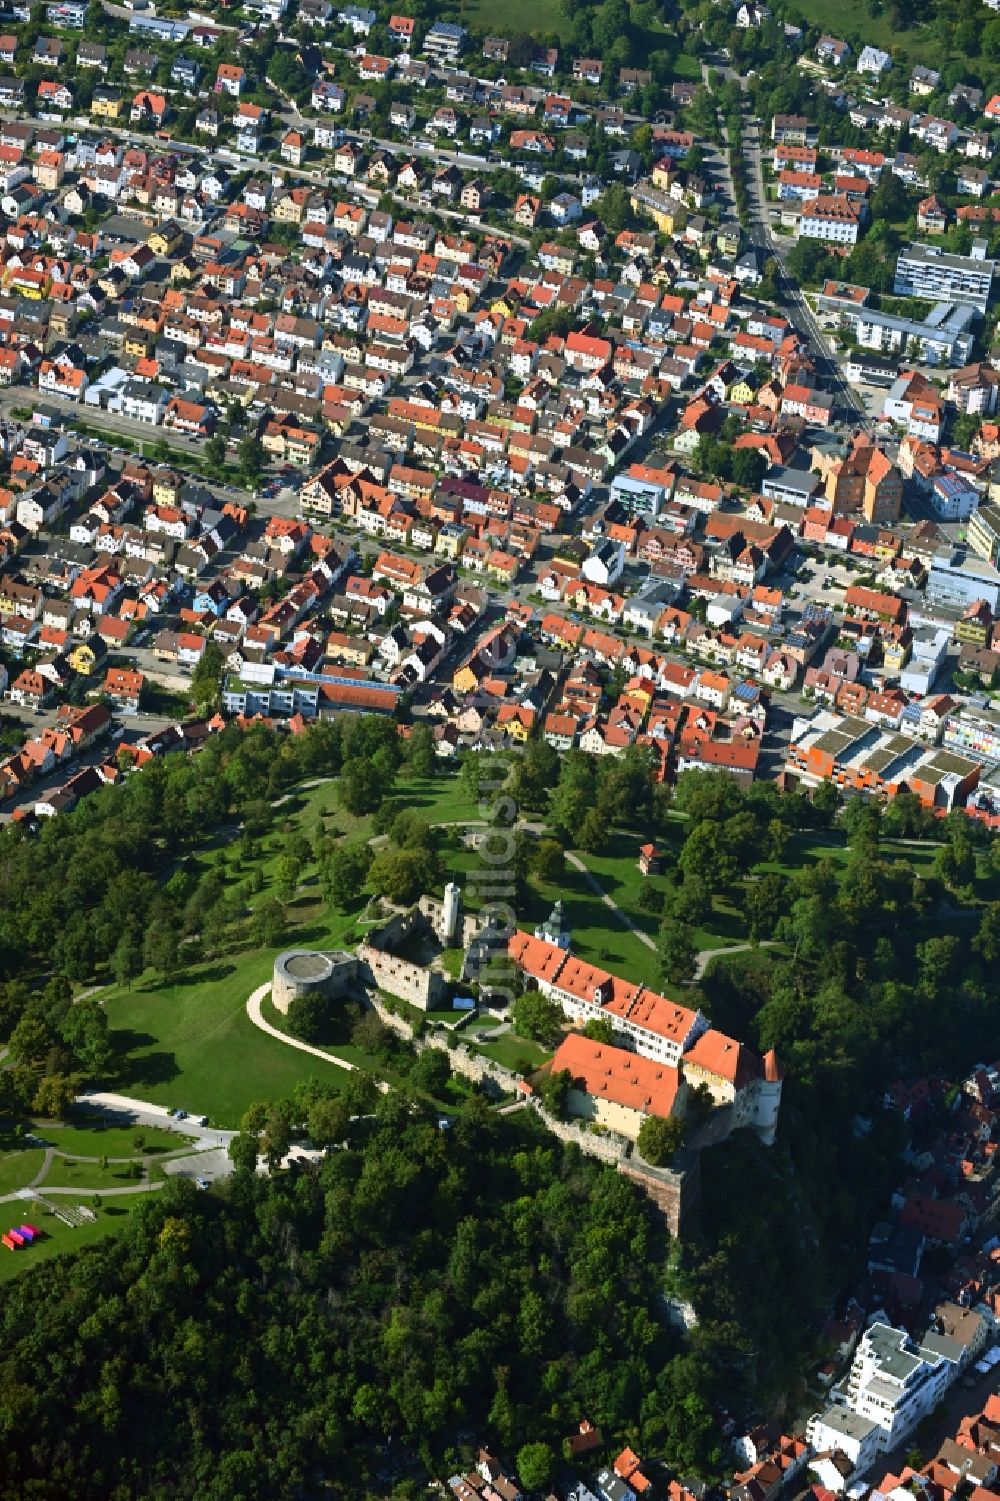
(894, 1383)
(945, 337)
(930, 272)
(838, 1431)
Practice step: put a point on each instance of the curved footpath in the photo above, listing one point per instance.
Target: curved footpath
(44, 1192)
(254, 1001)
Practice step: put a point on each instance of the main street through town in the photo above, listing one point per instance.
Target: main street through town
(793, 304)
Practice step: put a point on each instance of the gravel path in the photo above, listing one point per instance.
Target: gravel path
(254, 1002)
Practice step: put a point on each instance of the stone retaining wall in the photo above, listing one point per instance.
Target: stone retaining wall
(608, 1148)
(464, 1060)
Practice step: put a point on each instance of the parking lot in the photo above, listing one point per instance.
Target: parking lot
(823, 581)
(820, 580)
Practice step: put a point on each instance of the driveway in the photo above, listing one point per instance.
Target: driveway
(125, 1111)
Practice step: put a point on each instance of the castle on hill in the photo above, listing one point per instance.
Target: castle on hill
(684, 1052)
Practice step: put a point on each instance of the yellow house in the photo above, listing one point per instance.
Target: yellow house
(666, 213)
(63, 322)
(166, 487)
(451, 540)
(502, 567)
(742, 393)
(33, 290)
(183, 270)
(644, 693)
(465, 679)
(86, 657)
(974, 628)
(166, 239)
(138, 342)
(106, 105)
(516, 721)
(895, 655)
(503, 308)
(288, 210)
(49, 169)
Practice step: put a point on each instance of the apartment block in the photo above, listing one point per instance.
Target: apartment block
(928, 271)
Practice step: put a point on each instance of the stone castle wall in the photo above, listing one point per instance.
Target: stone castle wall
(414, 983)
(464, 1060)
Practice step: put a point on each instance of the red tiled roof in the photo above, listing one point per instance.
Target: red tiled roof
(617, 1075)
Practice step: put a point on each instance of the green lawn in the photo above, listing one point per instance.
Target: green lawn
(191, 1044)
(811, 846)
(96, 1136)
(57, 1237)
(439, 799)
(687, 67)
(452, 961)
(618, 872)
(598, 935)
(67, 1172)
(511, 1051)
(512, 16)
(18, 1165)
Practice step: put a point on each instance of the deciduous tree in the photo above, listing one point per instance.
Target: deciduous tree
(659, 1139)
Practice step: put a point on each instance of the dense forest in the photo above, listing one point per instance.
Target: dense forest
(320, 1325)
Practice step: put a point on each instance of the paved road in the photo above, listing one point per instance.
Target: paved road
(116, 425)
(210, 1165)
(42, 1171)
(135, 728)
(144, 1113)
(793, 304)
(285, 503)
(78, 1193)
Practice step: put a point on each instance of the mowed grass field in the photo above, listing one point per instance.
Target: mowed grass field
(57, 1238)
(512, 16)
(18, 1164)
(598, 934)
(96, 1136)
(188, 1043)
